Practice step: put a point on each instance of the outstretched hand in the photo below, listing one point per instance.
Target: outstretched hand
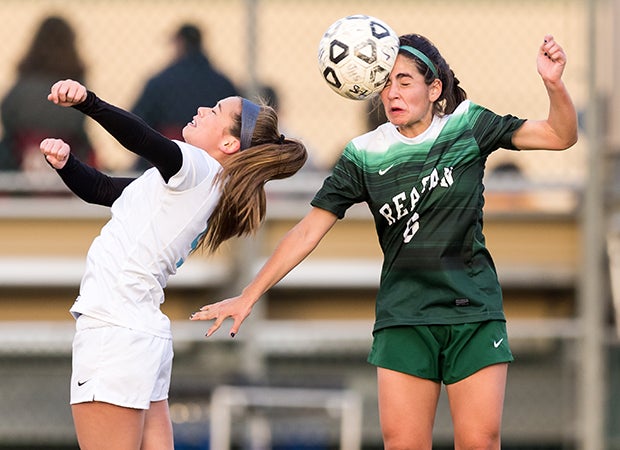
(56, 152)
(237, 308)
(67, 93)
(551, 60)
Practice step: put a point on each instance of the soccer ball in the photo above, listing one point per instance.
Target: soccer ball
(356, 55)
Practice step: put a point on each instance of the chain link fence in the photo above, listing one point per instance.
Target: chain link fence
(491, 46)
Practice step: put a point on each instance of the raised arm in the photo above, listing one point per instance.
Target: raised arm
(298, 243)
(128, 129)
(559, 130)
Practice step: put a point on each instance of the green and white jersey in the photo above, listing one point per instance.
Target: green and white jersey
(426, 196)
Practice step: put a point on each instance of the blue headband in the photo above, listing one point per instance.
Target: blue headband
(418, 54)
(249, 114)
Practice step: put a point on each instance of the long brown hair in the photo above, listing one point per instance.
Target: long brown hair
(452, 94)
(242, 206)
(53, 52)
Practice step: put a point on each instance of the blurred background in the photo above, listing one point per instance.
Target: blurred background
(295, 377)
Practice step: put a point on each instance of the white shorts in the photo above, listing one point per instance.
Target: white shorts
(118, 365)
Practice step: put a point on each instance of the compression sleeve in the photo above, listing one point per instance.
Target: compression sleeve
(135, 135)
(91, 185)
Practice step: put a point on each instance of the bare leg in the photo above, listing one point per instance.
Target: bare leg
(158, 428)
(407, 407)
(476, 404)
(102, 426)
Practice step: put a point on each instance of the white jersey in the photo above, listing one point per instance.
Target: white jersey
(154, 227)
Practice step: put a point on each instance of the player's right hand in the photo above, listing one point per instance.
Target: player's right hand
(236, 308)
(56, 152)
(67, 93)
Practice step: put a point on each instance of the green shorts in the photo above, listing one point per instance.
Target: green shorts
(442, 353)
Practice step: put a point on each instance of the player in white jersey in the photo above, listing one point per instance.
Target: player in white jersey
(439, 309)
(200, 192)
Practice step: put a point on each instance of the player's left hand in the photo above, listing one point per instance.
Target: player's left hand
(551, 60)
(67, 93)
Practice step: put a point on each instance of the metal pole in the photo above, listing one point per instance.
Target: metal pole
(591, 377)
(248, 249)
(252, 35)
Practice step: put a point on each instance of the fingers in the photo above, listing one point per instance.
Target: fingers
(216, 325)
(235, 328)
(211, 313)
(56, 152)
(551, 60)
(551, 49)
(67, 93)
(218, 314)
(205, 313)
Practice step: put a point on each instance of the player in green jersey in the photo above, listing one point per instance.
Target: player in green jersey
(439, 314)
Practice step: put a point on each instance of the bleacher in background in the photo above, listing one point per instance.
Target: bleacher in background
(312, 331)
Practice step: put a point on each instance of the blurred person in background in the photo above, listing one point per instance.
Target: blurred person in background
(27, 116)
(199, 193)
(174, 94)
(439, 309)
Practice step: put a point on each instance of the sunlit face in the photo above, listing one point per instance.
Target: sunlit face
(407, 99)
(210, 127)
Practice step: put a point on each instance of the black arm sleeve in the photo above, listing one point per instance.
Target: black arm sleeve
(135, 135)
(91, 185)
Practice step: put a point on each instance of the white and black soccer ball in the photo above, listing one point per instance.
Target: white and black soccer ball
(356, 55)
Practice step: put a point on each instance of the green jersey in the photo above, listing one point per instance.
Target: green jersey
(426, 197)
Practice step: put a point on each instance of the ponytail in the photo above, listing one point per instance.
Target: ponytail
(242, 205)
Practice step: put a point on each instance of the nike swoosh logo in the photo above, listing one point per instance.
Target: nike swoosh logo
(498, 343)
(81, 383)
(384, 171)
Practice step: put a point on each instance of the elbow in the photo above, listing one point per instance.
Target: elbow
(568, 142)
(563, 140)
(574, 139)
(568, 134)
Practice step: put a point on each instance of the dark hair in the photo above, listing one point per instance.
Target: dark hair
(191, 37)
(452, 94)
(53, 52)
(242, 206)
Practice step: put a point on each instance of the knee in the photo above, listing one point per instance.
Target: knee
(406, 441)
(391, 445)
(483, 441)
